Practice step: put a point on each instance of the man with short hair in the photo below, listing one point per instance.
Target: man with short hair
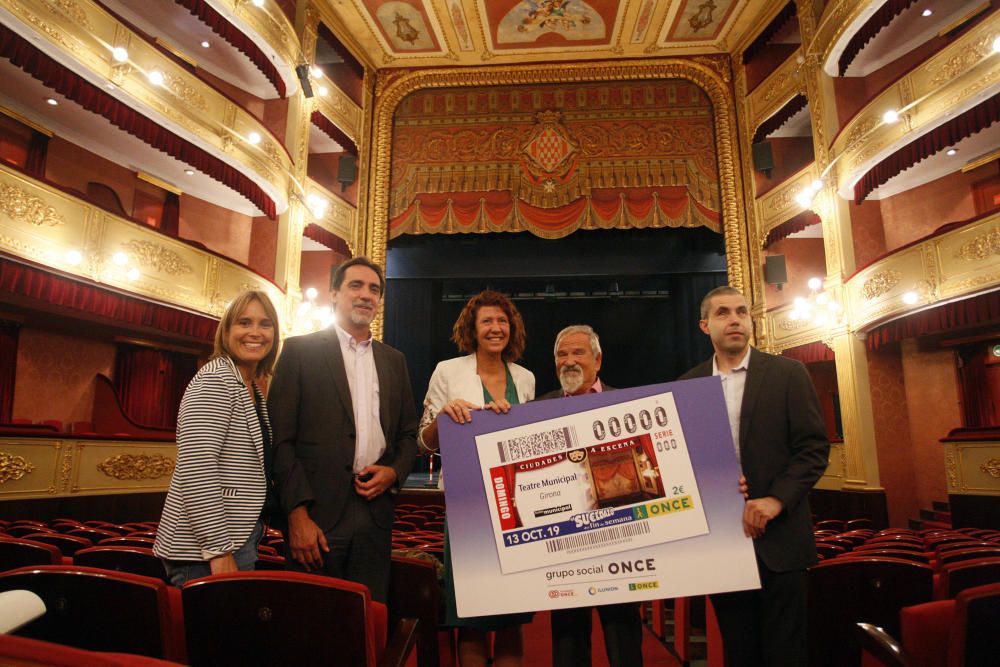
(782, 447)
(578, 360)
(345, 427)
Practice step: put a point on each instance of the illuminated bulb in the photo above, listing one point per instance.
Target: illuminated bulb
(119, 258)
(816, 185)
(253, 138)
(311, 293)
(258, 3)
(205, 45)
(890, 116)
(133, 274)
(910, 298)
(323, 91)
(52, 102)
(315, 72)
(189, 172)
(156, 77)
(822, 299)
(804, 198)
(120, 54)
(815, 283)
(996, 45)
(317, 205)
(950, 151)
(926, 12)
(74, 257)
(800, 302)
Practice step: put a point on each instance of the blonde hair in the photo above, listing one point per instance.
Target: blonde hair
(233, 310)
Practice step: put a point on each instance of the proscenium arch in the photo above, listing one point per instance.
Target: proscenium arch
(392, 87)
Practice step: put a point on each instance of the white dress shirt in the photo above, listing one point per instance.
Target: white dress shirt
(733, 384)
(359, 362)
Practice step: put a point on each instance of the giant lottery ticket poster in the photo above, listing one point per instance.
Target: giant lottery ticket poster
(597, 499)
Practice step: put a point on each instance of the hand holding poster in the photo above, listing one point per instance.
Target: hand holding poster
(621, 496)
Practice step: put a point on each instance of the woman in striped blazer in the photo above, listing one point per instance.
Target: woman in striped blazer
(211, 520)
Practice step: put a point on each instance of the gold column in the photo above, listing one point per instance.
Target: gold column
(860, 452)
(293, 221)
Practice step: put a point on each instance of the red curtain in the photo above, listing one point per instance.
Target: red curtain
(334, 132)
(324, 237)
(70, 85)
(150, 383)
(880, 19)
(980, 310)
(791, 226)
(38, 150)
(229, 32)
(809, 353)
(772, 28)
(780, 117)
(8, 367)
(978, 402)
(965, 125)
(55, 290)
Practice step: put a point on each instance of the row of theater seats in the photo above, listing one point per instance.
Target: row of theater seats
(419, 528)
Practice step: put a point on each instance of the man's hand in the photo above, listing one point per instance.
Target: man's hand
(305, 539)
(382, 477)
(757, 513)
(744, 487)
(223, 563)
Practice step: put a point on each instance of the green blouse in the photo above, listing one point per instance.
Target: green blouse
(511, 393)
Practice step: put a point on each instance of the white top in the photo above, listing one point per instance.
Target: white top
(733, 384)
(359, 363)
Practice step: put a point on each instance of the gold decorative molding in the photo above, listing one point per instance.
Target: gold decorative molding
(13, 467)
(773, 92)
(880, 283)
(341, 218)
(137, 466)
(20, 205)
(973, 467)
(392, 88)
(838, 17)
(981, 247)
(778, 205)
(158, 257)
(991, 468)
(342, 110)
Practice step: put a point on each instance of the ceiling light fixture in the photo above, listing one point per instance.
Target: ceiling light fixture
(189, 172)
(253, 138)
(155, 77)
(258, 3)
(205, 45)
(926, 12)
(910, 298)
(323, 91)
(120, 53)
(74, 257)
(996, 45)
(51, 101)
(133, 274)
(119, 258)
(315, 72)
(890, 116)
(311, 293)
(317, 205)
(950, 151)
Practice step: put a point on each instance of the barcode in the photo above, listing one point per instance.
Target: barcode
(597, 537)
(537, 444)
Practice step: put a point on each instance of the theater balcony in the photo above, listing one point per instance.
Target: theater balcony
(96, 81)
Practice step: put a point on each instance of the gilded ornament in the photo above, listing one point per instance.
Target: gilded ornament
(991, 468)
(951, 468)
(963, 61)
(793, 325)
(71, 10)
(25, 207)
(981, 247)
(185, 92)
(880, 283)
(13, 467)
(137, 466)
(158, 257)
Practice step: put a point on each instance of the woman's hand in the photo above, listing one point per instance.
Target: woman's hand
(223, 563)
(498, 406)
(460, 410)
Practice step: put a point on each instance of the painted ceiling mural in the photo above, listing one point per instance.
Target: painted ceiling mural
(554, 158)
(402, 33)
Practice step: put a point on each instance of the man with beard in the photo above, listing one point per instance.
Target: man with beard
(345, 429)
(782, 448)
(578, 359)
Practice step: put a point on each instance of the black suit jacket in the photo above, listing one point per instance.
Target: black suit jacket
(784, 450)
(312, 418)
(559, 393)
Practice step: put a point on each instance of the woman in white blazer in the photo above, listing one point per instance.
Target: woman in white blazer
(491, 332)
(211, 520)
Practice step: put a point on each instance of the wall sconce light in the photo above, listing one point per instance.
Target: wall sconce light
(819, 307)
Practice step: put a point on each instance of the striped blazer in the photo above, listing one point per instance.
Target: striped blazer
(218, 487)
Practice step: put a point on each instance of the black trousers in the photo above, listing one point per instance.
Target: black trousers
(622, 627)
(766, 627)
(360, 550)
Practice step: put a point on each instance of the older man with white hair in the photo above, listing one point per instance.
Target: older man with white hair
(578, 361)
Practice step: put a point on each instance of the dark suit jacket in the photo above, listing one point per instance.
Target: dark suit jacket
(784, 450)
(312, 419)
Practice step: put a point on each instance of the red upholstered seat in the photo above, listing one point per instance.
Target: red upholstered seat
(102, 610)
(137, 560)
(414, 593)
(67, 544)
(954, 578)
(19, 552)
(266, 621)
(25, 652)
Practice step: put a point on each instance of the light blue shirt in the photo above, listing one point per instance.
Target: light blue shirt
(733, 384)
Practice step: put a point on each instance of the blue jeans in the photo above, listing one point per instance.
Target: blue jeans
(182, 571)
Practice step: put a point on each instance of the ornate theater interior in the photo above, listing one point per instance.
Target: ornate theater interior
(604, 161)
